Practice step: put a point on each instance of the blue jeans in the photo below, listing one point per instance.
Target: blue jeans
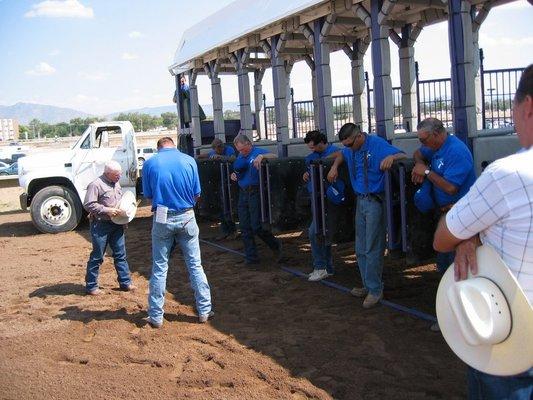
(226, 224)
(322, 258)
(370, 242)
(482, 386)
(180, 228)
(102, 234)
(444, 260)
(250, 225)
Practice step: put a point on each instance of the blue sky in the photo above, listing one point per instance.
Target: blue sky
(103, 56)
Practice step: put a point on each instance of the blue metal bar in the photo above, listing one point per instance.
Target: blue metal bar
(403, 210)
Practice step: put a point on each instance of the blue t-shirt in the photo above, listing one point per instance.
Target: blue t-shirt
(316, 155)
(454, 162)
(247, 174)
(170, 178)
(375, 150)
(228, 152)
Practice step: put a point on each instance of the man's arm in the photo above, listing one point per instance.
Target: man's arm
(333, 172)
(387, 162)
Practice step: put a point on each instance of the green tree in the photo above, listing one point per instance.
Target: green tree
(169, 119)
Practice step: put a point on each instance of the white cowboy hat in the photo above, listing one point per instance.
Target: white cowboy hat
(486, 319)
(128, 204)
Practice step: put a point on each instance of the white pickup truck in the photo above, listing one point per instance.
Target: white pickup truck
(55, 182)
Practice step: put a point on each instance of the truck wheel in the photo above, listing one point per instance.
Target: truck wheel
(140, 162)
(56, 209)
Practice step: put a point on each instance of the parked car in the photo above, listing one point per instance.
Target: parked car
(143, 154)
(10, 170)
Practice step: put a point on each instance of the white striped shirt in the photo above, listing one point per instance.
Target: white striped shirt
(499, 206)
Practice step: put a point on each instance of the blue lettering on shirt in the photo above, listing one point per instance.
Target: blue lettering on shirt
(374, 150)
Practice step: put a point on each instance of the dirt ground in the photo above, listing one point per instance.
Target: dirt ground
(274, 335)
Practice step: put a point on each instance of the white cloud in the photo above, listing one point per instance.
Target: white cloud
(486, 40)
(92, 76)
(135, 35)
(60, 9)
(54, 52)
(41, 69)
(129, 56)
(515, 5)
(85, 100)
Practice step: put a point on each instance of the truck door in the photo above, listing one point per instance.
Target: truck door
(126, 155)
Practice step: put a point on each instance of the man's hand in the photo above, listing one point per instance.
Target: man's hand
(258, 160)
(417, 174)
(465, 258)
(386, 163)
(305, 176)
(113, 212)
(332, 175)
(233, 177)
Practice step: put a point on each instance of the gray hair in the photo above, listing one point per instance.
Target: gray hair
(112, 166)
(431, 125)
(216, 143)
(242, 139)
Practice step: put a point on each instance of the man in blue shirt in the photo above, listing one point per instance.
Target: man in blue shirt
(445, 167)
(367, 158)
(246, 174)
(219, 151)
(222, 151)
(317, 142)
(171, 181)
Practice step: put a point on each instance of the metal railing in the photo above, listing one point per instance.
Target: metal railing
(434, 99)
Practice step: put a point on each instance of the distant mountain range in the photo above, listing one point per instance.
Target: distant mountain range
(25, 112)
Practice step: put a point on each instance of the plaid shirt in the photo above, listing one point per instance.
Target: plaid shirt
(499, 206)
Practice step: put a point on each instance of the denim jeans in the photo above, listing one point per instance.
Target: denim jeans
(250, 225)
(180, 228)
(444, 260)
(483, 386)
(322, 258)
(227, 226)
(105, 233)
(370, 242)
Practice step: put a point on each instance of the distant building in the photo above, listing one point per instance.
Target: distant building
(9, 129)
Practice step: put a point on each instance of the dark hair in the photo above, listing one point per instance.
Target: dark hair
(525, 86)
(163, 141)
(431, 125)
(316, 137)
(348, 130)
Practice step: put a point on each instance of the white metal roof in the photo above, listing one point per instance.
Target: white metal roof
(233, 22)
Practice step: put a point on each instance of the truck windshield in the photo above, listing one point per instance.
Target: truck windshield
(81, 137)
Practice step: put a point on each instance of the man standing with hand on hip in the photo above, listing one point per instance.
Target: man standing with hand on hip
(171, 181)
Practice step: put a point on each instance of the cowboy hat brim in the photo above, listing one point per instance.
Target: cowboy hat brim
(128, 204)
(514, 354)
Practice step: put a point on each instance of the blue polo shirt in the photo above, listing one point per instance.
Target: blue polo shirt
(454, 162)
(228, 152)
(375, 150)
(170, 178)
(247, 174)
(316, 155)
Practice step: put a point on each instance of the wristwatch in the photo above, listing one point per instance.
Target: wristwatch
(426, 172)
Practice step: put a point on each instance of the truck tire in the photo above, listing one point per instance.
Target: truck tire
(56, 209)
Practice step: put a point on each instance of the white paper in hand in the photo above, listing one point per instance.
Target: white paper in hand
(161, 214)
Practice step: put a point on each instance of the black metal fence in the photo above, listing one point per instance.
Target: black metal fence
(434, 99)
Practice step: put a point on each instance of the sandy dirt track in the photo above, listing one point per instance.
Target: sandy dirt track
(274, 336)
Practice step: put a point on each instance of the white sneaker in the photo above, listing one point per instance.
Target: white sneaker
(318, 275)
